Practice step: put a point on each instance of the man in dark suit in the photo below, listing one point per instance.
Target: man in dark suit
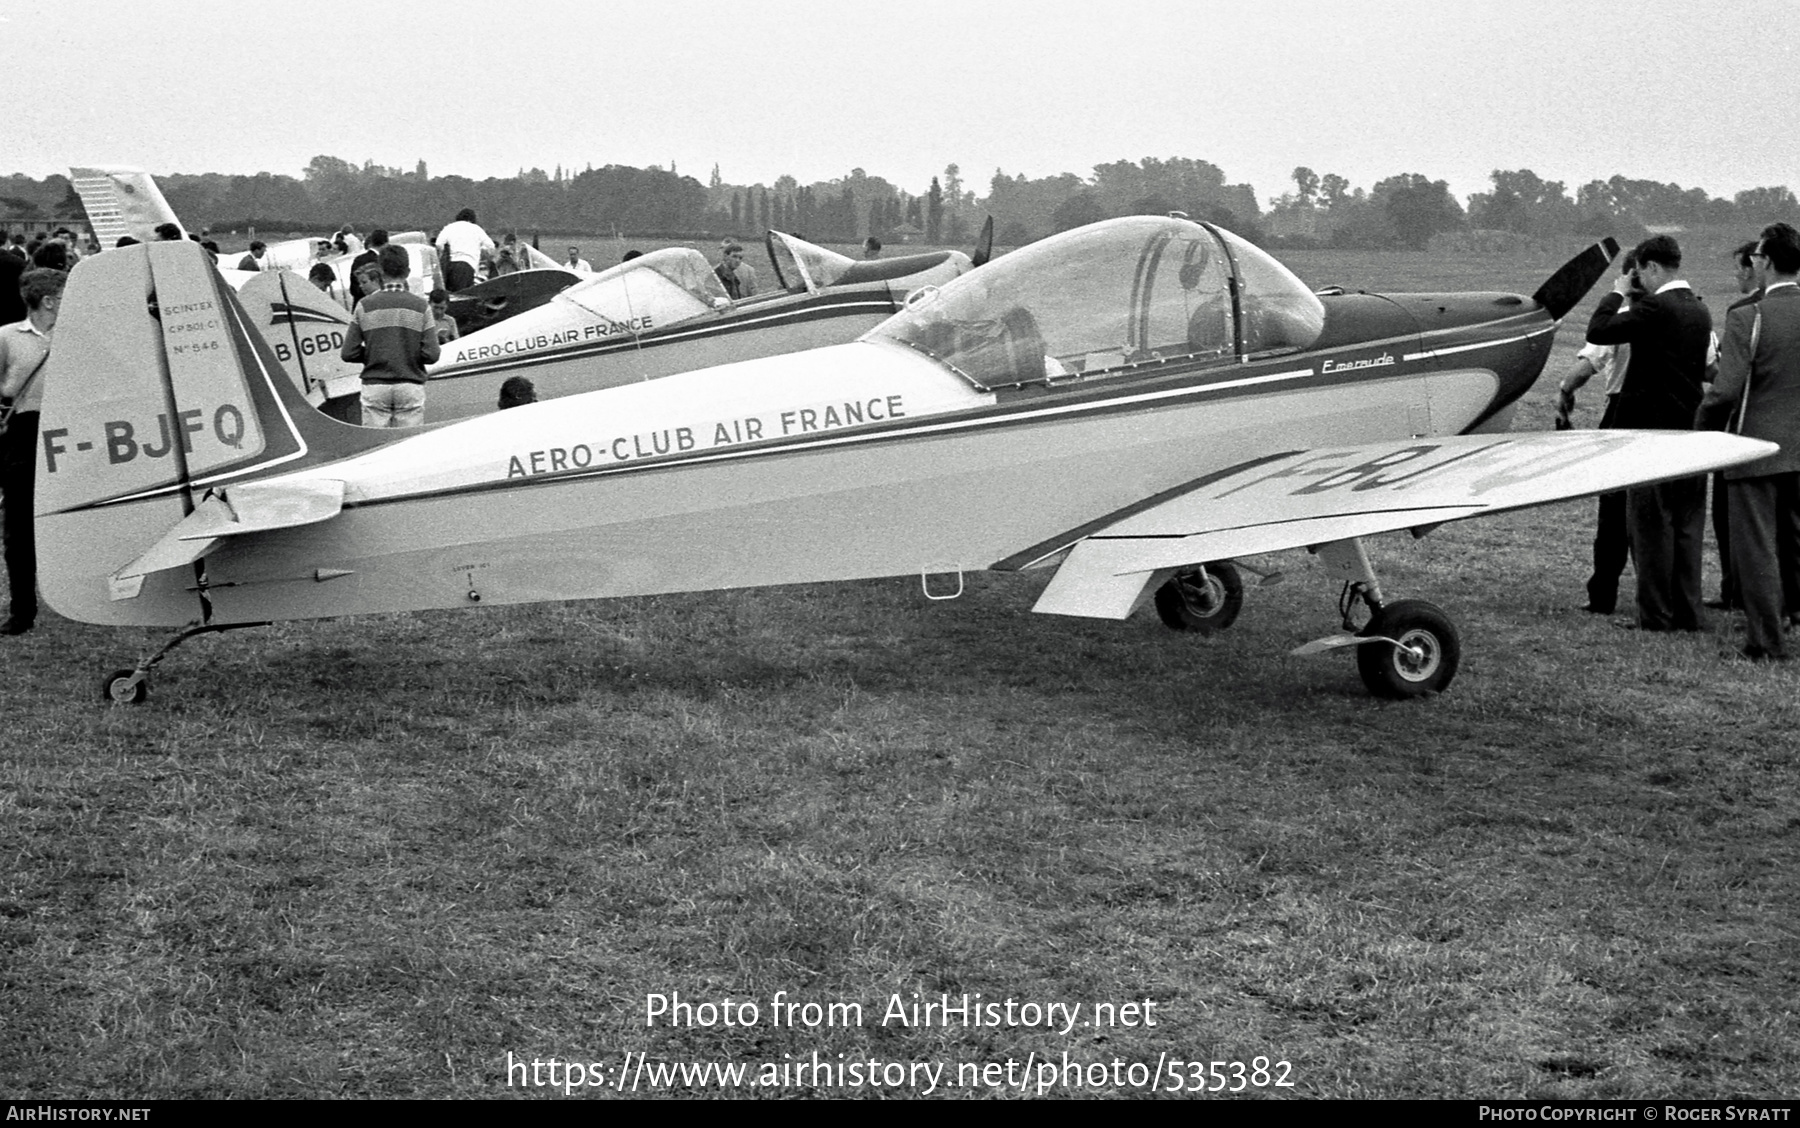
(1749, 284)
(1670, 333)
(1759, 390)
(365, 269)
(12, 306)
(1612, 537)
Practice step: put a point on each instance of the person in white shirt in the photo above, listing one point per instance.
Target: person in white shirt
(576, 262)
(466, 242)
(24, 349)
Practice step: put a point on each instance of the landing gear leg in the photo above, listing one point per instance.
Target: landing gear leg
(132, 687)
(1408, 648)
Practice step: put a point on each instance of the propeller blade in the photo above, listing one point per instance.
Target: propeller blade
(984, 246)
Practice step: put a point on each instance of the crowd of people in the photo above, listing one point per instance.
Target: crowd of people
(1652, 341)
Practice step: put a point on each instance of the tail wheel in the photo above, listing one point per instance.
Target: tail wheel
(124, 687)
(1205, 600)
(1422, 658)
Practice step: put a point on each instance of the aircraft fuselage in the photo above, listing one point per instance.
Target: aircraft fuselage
(857, 461)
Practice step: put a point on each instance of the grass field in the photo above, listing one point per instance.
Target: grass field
(374, 857)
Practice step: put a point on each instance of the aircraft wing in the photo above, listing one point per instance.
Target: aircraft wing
(1306, 498)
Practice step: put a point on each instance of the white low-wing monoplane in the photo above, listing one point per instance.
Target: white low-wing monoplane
(1133, 403)
(667, 312)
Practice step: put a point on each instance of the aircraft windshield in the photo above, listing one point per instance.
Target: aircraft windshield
(1113, 296)
(679, 280)
(802, 265)
(1279, 311)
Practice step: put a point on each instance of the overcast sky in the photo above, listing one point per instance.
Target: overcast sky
(1657, 89)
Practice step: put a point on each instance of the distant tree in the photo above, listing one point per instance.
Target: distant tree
(1153, 204)
(323, 169)
(1499, 210)
(1306, 184)
(1417, 208)
(1078, 210)
(1334, 188)
(737, 209)
(1762, 206)
(805, 210)
(1523, 202)
(998, 187)
(717, 181)
(1357, 222)
(934, 212)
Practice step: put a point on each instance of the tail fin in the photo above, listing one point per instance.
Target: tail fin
(122, 201)
(157, 389)
(1571, 282)
(305, 329)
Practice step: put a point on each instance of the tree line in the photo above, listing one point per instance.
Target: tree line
(1402, 211)
(1407, 211)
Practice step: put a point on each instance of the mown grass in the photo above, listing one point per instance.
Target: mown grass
(373, 856)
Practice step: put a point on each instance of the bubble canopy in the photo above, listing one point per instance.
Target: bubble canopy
(1105, 300)
(677, 282)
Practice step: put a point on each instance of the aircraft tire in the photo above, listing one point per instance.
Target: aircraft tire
(119, 688)
(1184, 603)
(1432, 651)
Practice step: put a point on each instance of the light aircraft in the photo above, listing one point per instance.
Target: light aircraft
(667, 312)
(1132, 404)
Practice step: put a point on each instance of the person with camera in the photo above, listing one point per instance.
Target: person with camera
(1670, 334)
(1612, 541)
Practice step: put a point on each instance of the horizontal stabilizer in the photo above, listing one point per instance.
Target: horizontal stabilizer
(257, 507)
(173, 551)
(1314, 497)
(253, 507)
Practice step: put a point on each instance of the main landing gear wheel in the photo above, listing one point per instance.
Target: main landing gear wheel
(1425, 659)
(125, 687)
(1205, 600)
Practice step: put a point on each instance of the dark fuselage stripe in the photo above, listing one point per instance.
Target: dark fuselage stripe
(813, 312)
